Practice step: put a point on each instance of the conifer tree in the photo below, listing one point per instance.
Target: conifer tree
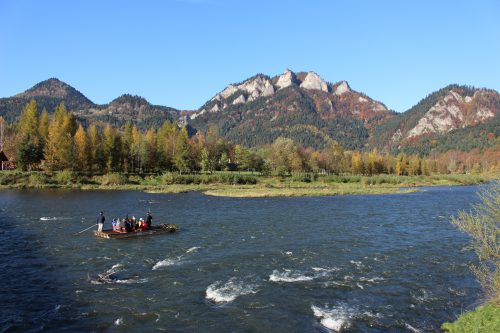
(401, 165)
(96, 159)
(136, 147)
(357, 165)
(182, 151)
(111, 142)
(28, 122)
(150, 149)
(81, 150)
(29, 152)
(58, 151)
(43, 126)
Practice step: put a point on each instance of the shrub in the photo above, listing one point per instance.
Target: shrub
(38, 179)
(304, 177)
(10, 178)
(483, 225)
(113, 179)
(64, 177)
(134, 179)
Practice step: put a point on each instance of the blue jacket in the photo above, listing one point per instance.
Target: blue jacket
(101, 218)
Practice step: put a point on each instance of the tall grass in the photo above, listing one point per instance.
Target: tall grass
(216, 178)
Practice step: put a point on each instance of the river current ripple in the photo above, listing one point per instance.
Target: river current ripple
(386, 263)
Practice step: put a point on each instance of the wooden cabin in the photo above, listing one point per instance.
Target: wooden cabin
(4, 161)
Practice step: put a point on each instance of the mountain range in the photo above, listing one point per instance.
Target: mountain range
(301, 106)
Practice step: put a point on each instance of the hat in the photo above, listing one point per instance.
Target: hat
(141, 219)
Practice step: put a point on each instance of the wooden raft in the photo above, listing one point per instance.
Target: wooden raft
(155, 230)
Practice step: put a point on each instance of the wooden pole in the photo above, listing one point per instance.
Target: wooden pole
(85, 229)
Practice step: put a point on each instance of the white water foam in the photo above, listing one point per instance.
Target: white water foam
(175, 261)
(193, 249)
(457, 292)
(108, 278)
(335, 284)
(223, 293)
(131, 281)
(115, 268)
(422, 296)
(165, 263)
(340, 317)
(53, 218)
(289, 276)
(372, 280)
(119, 321)
(358, 264)
(335, 319)
(323, 270)
(412, 329)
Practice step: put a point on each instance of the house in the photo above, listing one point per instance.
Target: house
(4, 161)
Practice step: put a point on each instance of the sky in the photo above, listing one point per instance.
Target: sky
(180, 53)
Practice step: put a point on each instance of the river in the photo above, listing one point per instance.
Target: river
(384, 263)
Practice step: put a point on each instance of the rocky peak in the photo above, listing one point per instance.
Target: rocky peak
(341, 88)
(254, 87)
(230, 89)
(50, 88)
(58, 90)
(286, 79)
(257, 87)
(314, 81)
(453, 111)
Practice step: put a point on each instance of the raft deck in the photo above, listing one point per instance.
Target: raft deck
(155, 230)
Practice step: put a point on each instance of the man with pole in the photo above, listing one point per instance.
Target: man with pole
(100, 221)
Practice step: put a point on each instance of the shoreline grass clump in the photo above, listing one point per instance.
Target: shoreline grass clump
(482, 224)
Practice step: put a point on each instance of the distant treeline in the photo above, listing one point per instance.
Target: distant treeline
(40, 142)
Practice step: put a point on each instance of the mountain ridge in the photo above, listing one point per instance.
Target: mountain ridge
(300, 105)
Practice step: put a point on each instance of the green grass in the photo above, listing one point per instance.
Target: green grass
(235, 184)
(484, 319)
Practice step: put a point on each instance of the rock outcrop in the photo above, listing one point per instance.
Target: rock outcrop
(342, 88)
(452, 112)
(286, 79)
(314, 81)
(328, 97)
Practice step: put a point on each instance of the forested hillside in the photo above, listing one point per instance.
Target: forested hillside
(299, 106)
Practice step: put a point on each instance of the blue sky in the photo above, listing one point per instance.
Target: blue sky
(180, 53)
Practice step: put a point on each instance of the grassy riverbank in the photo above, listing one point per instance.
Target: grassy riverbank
(237, 184)
(484, 319)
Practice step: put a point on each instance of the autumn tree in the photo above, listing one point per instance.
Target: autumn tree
(335, 157)
(81, 152)
(43, 127)
(150, 148)
(182, 152)
(58, 151)
(30, 149)
(285, 156)
(357, 165)
(401, 165)
(166, 144)
(111, 144)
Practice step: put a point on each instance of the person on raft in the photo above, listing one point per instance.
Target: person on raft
(149, 220)
(100, 221)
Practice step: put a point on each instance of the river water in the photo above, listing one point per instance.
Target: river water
(385, 263)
